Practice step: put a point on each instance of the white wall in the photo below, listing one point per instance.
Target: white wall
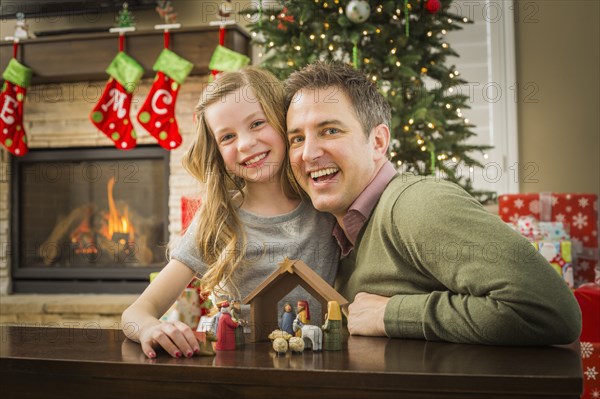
(487, 63)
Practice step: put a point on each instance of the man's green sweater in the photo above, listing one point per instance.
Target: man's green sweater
(456, 272)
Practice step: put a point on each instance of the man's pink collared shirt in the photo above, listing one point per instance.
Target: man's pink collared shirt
(361, 209)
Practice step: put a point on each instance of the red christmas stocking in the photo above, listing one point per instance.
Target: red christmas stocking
(111, 113)
(12, 133)
(157, 115)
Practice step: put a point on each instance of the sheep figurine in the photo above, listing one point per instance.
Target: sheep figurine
(296, 344)
(280, 345)
(279, 334)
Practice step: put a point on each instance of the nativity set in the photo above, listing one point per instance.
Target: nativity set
(221, 323)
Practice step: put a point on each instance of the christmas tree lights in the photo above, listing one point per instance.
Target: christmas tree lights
(402, 47)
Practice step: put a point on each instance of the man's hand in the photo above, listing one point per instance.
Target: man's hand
(365, 315)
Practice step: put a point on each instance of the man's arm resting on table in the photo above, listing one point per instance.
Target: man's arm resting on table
(513, 299)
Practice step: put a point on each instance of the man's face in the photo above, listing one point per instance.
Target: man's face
(331, 157)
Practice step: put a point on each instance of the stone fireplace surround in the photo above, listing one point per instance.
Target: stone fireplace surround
(57, 116)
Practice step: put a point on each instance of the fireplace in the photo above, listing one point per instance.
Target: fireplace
(89, 220)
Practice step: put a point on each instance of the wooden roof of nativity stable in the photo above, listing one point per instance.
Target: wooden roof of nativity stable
(298, 273)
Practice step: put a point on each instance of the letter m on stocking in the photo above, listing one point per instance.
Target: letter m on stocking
(118, 100)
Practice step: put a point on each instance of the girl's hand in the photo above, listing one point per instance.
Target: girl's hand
(176, 338)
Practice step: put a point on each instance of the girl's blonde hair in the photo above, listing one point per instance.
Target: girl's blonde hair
(220, 235)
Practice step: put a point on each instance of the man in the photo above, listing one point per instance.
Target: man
(420, 257)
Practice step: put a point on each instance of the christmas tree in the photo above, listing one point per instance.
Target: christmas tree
(125, 19)
(401, 47)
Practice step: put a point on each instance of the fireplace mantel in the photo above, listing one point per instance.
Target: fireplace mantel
(61, 97)
(84, 57)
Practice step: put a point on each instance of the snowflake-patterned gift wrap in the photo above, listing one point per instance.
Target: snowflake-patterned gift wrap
(588, 297)
(577, 212)
(590, 359)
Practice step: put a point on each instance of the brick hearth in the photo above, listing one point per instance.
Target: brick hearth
(69, 311)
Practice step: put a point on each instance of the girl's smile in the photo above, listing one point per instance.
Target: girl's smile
(250, 147)
(255, 160)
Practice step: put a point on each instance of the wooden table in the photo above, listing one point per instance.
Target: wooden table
(90, 363)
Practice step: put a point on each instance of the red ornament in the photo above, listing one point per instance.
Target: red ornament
(284, 19)
(433, 6)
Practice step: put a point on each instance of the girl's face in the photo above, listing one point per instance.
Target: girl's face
(250, 147)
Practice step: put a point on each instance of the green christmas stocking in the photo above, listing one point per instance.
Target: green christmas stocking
(111, 113)
(12, 134)
(157, 114)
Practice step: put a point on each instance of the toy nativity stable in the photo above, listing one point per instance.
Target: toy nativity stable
(263, 299)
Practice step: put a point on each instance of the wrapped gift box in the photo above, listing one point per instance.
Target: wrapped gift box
(535, 230)
(189, 306)
(186, 309)
(558, 254)
(590, 359)
(189, 207)
(577, 212)
(588, 297)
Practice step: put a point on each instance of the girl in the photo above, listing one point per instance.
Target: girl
(252, 216)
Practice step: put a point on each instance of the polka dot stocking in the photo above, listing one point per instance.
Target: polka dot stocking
(12, 132)
(111, 115)
(157, 114)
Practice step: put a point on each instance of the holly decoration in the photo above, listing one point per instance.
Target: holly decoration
(358, 11)
(433, 6)
(12, 133)
(157, 114)
(111, 113)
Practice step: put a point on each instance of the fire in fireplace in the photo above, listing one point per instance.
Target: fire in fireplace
(89, 220)
(99, 236)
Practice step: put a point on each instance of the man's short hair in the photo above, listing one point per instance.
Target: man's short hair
(369, 105)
